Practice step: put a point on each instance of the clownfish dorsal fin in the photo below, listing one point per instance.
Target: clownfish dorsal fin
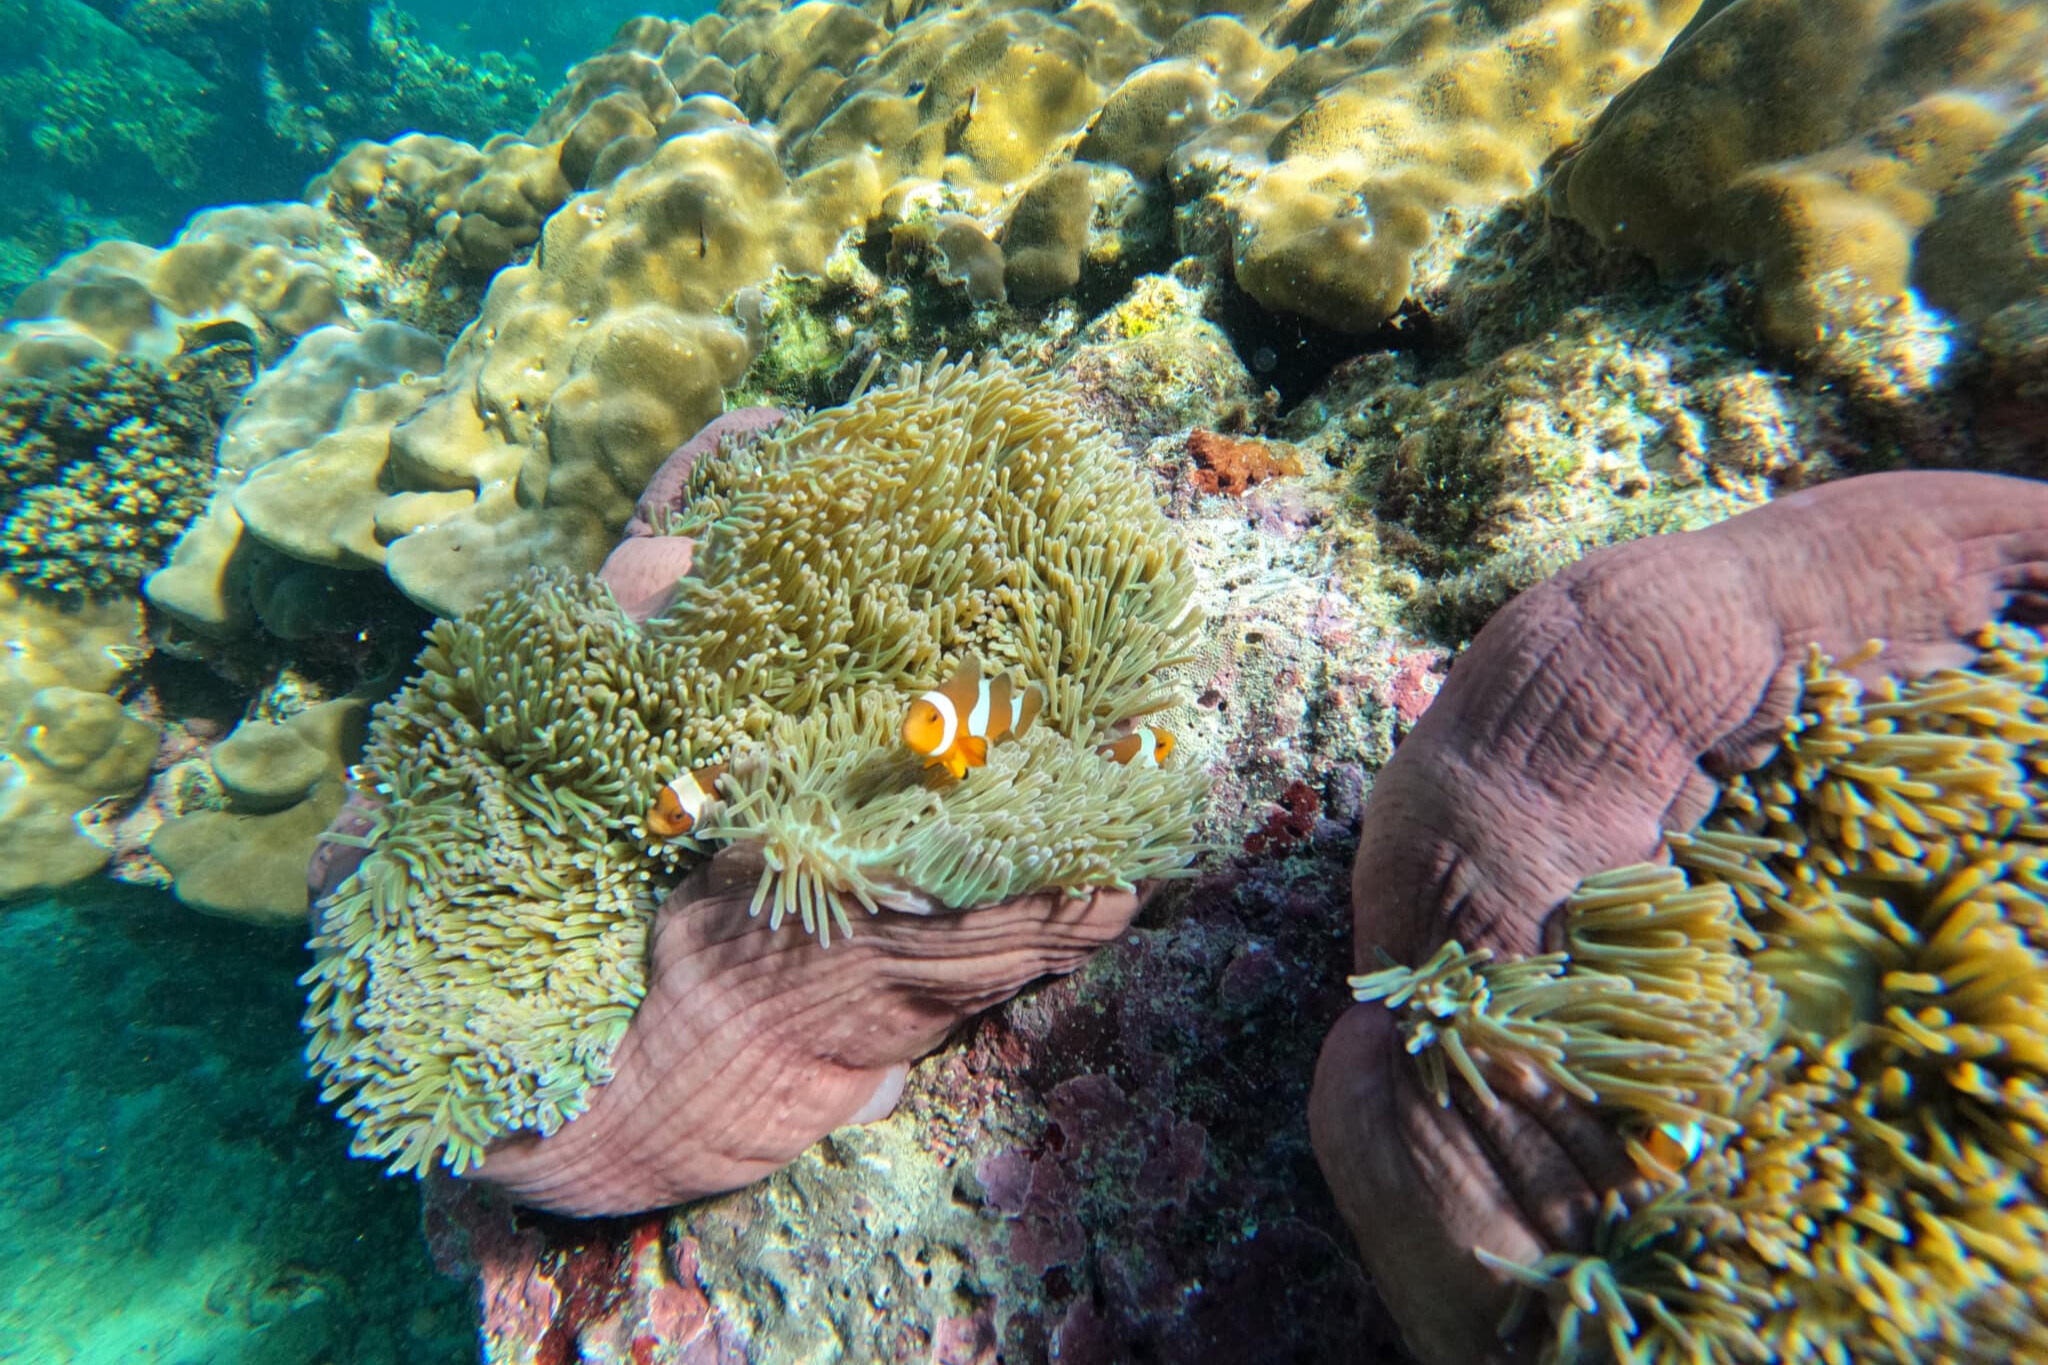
(1026, 708)
(963, 689)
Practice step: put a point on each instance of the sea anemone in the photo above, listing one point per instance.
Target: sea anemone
(1842, 980)
(1636, 1032)
(480, 969)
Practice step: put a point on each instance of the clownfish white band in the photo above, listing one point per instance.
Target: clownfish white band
(949, 718)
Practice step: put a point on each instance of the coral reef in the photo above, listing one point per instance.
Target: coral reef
(104, 469)
(1023, 156)
(1863, 158)
(841, 562)
(105, 465)
(125, 115)
(259, 265)
(282, 446)
(1585, 721)
(1113, 1167)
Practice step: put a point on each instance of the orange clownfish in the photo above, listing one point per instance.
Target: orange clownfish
(954, 724)
(678, 805)
(1147, 746)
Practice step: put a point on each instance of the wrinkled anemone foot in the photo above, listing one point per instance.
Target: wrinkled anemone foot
(751, 1043)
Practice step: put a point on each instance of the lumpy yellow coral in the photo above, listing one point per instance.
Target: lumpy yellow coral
(66, 744)
(478, 970)
(1843, 981)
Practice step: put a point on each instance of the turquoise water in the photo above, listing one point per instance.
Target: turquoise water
(119, 118)
(176, 1193)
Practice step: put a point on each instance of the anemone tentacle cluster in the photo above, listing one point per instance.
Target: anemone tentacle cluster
(480, 967)
(1842, 979)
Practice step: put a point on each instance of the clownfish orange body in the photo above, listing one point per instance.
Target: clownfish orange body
(678, 805)
(953, 725)
(1673, 1147)
(1147, 746)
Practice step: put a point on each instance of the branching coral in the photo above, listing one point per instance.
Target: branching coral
(481, 967)
(1872, 1186)
(103, 468)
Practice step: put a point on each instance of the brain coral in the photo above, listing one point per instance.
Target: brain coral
(1591, 717)
(1844, 151)
(479, 970)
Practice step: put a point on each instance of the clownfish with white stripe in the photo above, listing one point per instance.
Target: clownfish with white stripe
(953, 725)
(1672, 1146)
(679, 805)
(1147, 746)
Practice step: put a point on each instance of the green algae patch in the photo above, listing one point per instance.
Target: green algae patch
(480, 967)
(1839, 991)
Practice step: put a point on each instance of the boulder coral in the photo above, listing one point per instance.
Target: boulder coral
(68, 743)
(1321, 152)
(1589, 721)
(1862, 157)
(258, 264)
(484, 981)
(282, 782)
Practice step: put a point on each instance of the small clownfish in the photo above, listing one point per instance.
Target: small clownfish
(953, 725)
(1673, 1146)
(1147, 746)
(677, 806)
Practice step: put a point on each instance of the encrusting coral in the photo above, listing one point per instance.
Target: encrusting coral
(1593, 716)
(479, 971)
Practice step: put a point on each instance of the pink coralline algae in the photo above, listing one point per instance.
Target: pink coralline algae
(552, 1292)
(1588, 717)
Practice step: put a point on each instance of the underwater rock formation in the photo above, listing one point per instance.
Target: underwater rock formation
(496, 938)
(1592, 716)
